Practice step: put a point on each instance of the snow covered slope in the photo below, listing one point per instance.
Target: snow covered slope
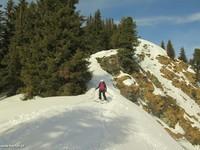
(163, 87)
(81, 123)
(176, 81)
(152, 64)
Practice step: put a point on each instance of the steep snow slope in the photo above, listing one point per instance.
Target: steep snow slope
(151, 64)
(167, 90)
(164, 88)
(79, 122)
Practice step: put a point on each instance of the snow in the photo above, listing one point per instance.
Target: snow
(188, 146)
(122, 74)
(195, 123)
(78, 122)
(179, 129)
(190, 70)
(182, 77)
(147, 47)
(129, 82)
(158, 91)
(176, 130)
(152, 65)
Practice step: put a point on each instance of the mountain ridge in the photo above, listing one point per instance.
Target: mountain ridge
(79, 122)
(165, 87)
(67, 122)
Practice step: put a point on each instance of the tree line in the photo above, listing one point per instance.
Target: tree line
(194, 61)
(171, 51)
(44, 46)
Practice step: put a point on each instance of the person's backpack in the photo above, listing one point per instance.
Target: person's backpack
(102, 86)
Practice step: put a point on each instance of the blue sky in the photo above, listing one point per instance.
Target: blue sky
(157, 20)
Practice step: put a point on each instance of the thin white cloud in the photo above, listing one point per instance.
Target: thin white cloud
(168, 19)
(192, 18)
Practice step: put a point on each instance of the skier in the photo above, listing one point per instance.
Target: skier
(102, 89)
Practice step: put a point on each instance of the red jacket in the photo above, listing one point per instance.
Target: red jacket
(102, 86)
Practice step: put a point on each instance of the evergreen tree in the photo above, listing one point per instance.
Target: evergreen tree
(106, 34)
(7, 84)
(128, 34)
(127, 61)
(9, 23)
(55, 39)
(196, 63)
(42, 40)
(182, 55)
(2, 31)
(7, 28)
(162, 45)
(127, 42)
(95, 36)
(76, 73)
(170, 50)
(98, 21)
(16, 46)
(99, 33)
(42, 50)
(115, 37)
(2, 48)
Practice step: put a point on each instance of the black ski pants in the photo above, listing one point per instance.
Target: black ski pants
(104, 95)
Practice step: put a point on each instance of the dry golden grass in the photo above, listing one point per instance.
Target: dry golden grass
(164, 107)
(163, 60)
(191, 77)
(180, 67)
(191, 91)
(155, 81)
(141, 56)
(168, 74)
(130, 92)
(192, 134)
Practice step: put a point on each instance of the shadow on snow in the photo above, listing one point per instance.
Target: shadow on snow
(80, 128)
